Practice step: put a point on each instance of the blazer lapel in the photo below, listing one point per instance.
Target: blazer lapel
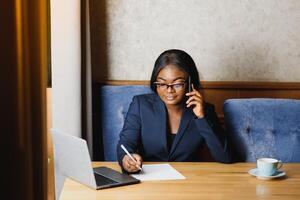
(160, 122)
(187, 116)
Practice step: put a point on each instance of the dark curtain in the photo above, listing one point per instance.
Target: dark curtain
(23, 81)
(94, 70)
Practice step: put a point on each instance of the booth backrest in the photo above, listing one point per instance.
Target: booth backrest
(115, 101)
(264, 128)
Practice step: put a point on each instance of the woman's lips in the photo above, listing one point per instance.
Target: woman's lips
(170, 98)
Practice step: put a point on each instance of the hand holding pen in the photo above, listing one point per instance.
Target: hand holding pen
(131, 162)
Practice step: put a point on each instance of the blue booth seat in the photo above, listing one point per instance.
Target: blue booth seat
(115, 101)
(264, 128)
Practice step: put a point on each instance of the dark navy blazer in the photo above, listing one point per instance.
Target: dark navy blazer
(145, 132)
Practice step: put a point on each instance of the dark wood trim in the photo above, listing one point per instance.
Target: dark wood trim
(123, 82)
(250, 85)
(221, 84)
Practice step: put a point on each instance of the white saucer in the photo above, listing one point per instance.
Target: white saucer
(255, 172)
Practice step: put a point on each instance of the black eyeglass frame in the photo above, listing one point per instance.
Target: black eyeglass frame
(172, 85)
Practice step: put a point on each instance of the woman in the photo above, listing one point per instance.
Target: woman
(171, 124)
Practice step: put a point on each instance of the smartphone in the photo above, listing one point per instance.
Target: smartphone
(189, 87)
(190, 84)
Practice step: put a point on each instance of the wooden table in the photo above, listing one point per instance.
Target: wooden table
(203, 181)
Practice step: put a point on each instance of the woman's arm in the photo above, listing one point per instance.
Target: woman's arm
(130, 134)
(214, 136)
(208, 124)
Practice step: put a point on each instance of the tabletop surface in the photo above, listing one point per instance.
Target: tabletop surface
(203, 181)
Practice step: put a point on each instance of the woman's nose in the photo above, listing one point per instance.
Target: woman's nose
(170, 88)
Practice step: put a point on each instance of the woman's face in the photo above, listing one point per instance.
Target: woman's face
(171, 85)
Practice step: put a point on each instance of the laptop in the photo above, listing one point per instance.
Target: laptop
(72, 160)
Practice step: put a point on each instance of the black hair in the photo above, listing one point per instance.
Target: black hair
(179, 59)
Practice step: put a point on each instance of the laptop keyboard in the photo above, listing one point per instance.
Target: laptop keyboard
(102, 180)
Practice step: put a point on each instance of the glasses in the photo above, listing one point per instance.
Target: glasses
(174, 86)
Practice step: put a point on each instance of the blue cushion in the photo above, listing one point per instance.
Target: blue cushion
(115, 101)
(264, 128)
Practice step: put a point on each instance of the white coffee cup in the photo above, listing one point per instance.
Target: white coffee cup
(268, 166)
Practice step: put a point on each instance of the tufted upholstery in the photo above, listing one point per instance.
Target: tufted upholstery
(115, 101)
(264, 128)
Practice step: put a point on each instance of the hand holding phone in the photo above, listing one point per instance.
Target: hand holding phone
(195, 100)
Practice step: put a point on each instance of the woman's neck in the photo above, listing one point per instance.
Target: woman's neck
(174, 117)
(175, 108)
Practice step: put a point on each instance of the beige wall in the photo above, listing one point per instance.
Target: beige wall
(229, 40)
(66, 66)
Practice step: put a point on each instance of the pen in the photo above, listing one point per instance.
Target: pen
(130, 156)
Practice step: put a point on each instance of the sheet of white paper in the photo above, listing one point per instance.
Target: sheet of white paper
(153, 172)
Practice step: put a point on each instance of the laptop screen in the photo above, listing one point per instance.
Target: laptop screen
(71, 159)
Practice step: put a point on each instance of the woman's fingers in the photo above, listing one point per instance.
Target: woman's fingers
(131, 162)
(126, 163)
(194, 98)
(194, 93)
(138, 159)
(130, 165)
(197, 101)
(191, 103)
